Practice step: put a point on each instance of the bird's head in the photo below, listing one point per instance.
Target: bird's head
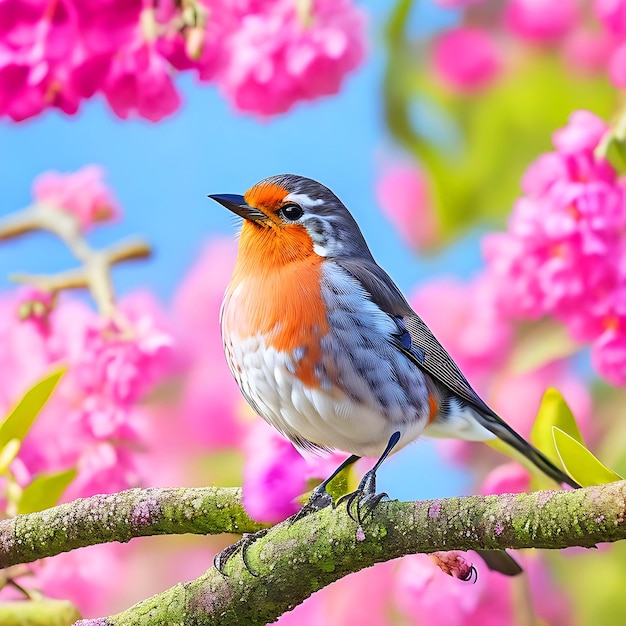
(295, 217)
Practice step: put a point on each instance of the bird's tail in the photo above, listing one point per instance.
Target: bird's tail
(504, 432)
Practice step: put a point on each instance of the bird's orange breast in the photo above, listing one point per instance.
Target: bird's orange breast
(275, 293)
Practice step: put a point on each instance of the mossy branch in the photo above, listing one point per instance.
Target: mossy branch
(294, 561)
(121, 517)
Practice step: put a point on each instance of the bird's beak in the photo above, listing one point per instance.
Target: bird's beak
(237, 204)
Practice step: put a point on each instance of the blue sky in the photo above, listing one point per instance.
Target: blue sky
(162, 173)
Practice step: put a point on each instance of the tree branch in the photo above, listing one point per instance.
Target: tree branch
(120, 517)
(294, 561)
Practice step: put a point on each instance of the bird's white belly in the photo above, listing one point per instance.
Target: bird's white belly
(326, 417)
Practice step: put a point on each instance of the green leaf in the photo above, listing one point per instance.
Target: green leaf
(580, 463)
(553, 412)
(45, 491)
(615, 153)
(23, 416)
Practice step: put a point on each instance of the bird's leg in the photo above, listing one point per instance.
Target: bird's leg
(320, 499)
(365, 499)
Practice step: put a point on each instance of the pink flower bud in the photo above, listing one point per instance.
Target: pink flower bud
(466, 59)
(541, 21)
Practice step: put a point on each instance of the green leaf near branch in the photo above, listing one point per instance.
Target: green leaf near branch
(579, 462)
(553, 412)
(615, 153)
(45, 491)
(23, 416)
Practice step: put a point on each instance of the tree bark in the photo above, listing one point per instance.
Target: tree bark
(293, 561)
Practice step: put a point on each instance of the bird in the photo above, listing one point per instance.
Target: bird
(325, 347)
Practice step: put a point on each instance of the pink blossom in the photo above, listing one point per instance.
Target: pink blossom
(91, 422)
(140, 82)
(617, 66)
(278, 57)
(507, 478)
(608, 350)
(541, 21)
(612, 15)
(466, 59)
(84, 577)
(200, 49)
(456, 4)
(421, 591)
(363, 598)
(403, 196)
(83, 194)
(587, 51)
(564, 235)
(57, 53)
(275, 473)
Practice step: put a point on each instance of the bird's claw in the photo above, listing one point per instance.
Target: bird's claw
(320, 499)
(364, 500)
(221, 558)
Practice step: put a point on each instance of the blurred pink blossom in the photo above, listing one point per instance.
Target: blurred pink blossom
(402, 194)
(612, 15)
(92, 421)
(83, 194)
(617, 66)
(79, 576)
(276, 473)
(363, 598)
(456, 4)
(211, 405)
(421, 591)
(541, 21)
(587, 51)
(507, 478)
(278, 57)
(466, 59)
(273, 474)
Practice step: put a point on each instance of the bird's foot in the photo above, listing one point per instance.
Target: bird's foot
(320, 499)
(221, 558)
(364, 500)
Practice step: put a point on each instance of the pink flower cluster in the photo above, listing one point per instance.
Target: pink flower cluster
(470, 56)
(82, 194)
(92, 420)
(612, 16)
(563, 254)
(402, 194)
(265, 56)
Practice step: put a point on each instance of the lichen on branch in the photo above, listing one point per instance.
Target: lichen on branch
(293, 561)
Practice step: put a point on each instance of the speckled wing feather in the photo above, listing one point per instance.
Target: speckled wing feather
(425, 350)
(429, 355)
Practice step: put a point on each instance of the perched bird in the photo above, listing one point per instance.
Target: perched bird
(325, 347)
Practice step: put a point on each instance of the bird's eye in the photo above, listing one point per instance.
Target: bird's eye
(291, 212)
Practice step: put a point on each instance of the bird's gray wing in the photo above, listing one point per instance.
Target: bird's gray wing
(420, 345)
(423, 348)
